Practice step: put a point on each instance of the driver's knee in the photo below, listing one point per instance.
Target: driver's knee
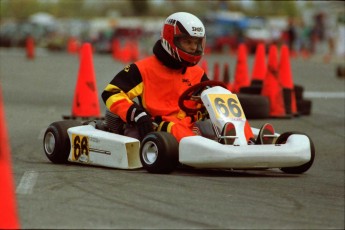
(180, 131)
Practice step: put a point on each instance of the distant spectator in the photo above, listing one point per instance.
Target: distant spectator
(302, 37)
(318, 31)
(291, 34)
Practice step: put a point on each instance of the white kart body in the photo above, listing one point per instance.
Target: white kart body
(118, 151)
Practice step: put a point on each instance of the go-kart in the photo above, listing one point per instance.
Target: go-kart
(220, 144)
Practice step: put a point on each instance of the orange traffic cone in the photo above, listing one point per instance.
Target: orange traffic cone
(135, 50)
(207, 50)
(72, 45)
(30, 47)
(8, 217)
(241, 78)
(115, 48)
(126, 53)
(285, 73)
(216, 71)
(259, 68)
(204, 66)
(272, 87)
(226, 78)
(85, 102)
(286, 80)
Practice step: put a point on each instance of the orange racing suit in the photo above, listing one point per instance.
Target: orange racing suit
(159, 88)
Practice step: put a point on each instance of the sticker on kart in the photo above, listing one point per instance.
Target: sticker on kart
(80, 148)
(226, 106)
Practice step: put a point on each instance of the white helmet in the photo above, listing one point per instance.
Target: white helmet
(179, 25)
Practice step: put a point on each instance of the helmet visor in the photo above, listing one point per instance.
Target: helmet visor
(191, 45)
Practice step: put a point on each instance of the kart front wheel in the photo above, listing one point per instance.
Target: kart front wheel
(56, 143)
(159, 152)
(302, 168)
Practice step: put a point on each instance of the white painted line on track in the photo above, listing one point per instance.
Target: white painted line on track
(27, 183)
(325, 95)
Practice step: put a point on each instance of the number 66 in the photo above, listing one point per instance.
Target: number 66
(225, 109)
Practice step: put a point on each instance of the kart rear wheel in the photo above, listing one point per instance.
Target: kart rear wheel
(56, 143)
(302, 168)
(159, 152)
(304, 107)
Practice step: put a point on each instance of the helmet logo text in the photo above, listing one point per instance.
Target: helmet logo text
(197, 29)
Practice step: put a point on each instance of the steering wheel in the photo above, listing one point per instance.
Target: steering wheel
(193, 94)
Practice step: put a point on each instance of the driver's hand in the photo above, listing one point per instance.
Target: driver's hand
(145, 126)
(136, 115)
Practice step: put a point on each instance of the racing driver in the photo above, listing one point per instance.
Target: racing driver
(159, 80)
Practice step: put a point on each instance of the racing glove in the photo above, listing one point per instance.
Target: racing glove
(137, 116)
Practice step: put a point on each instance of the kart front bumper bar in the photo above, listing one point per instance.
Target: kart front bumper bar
(200, 152)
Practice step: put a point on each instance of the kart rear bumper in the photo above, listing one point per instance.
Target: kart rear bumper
(103, 148)
(200, 152)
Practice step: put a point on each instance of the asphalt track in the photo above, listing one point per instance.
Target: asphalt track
(38, 92)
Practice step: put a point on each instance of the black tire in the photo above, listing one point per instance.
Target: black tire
(340, 71)
(299, 90)
(159, 152)
(258, 83)
(287, 96)
(302, 168)
(304, 107)
(56, 144)
(253, 89)
(254, 106)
